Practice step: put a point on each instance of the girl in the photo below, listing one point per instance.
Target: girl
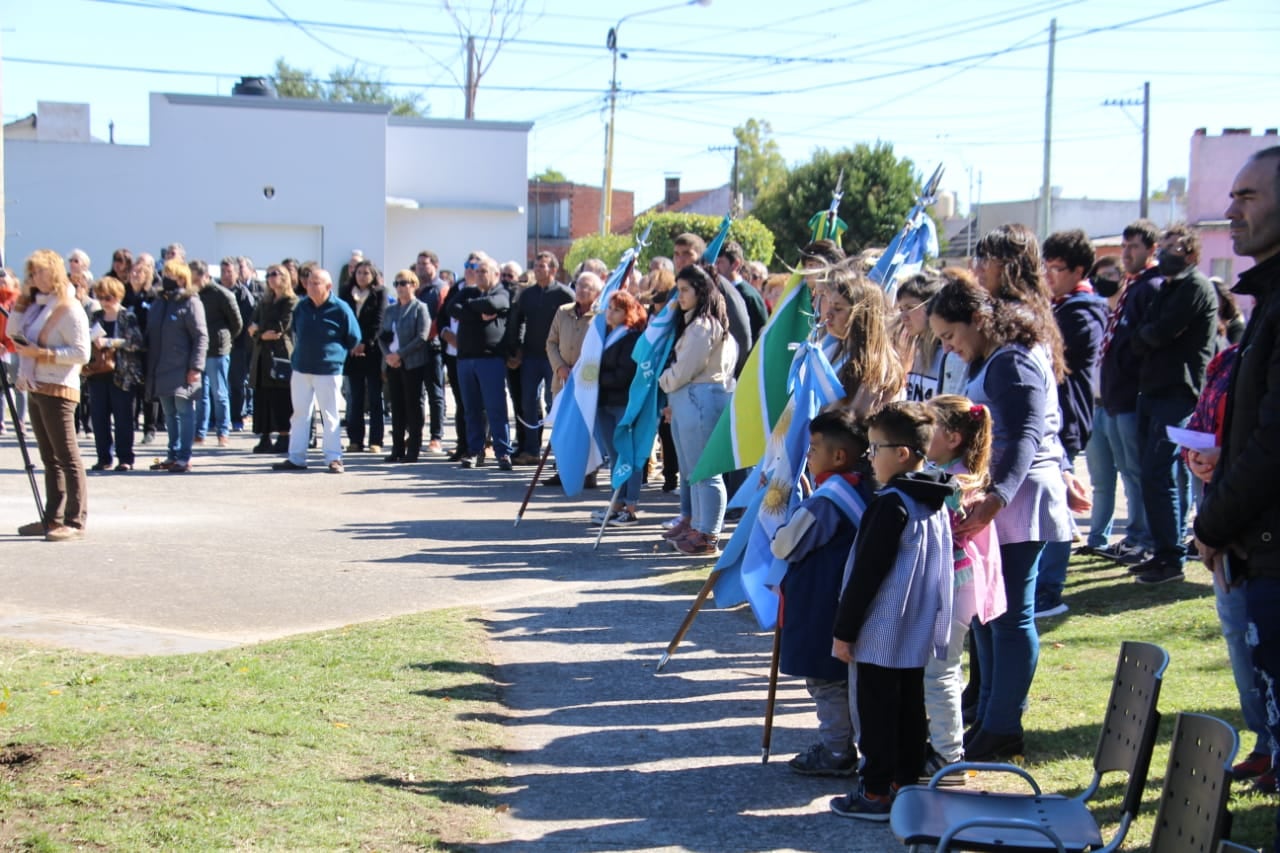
(962, 447)
(625, 318)
(853, 310)
(930, 368)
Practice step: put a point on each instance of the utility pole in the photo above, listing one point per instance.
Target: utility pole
(471, 77)
(1145, 103)
(2, 231)
(733, 178)
(1046, 190)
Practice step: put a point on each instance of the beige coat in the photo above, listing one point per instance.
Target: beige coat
(564, 340)
(705, 353)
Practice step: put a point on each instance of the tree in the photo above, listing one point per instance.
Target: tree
(482, 40)
(879, 190)
(760, 163)
(551, 176)
(751, 234)
(351, 85)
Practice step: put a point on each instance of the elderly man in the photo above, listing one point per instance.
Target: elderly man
(564, 341)
(324, 331)
(527, 332)
(481, 313)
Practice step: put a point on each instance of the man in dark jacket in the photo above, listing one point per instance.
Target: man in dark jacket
(224, 323)
(432, 291)
(527, 329)
(1238, 525)
(481, 312)
(241, 345)
(1175, 343)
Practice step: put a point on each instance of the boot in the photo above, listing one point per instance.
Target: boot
(282, 443)
(263, 446)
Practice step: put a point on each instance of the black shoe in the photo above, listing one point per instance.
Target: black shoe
(394, 457)
(264, 446)
(985, 746)
(287, 465)
(669, 485)
(1162, 570)
(467, 462)
(553, 480)
(282, 443)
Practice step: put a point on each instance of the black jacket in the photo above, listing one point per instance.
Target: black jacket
(369, 318)
(531, 316)
(222, 318)
(617, 369)
(1241, 506)
(1081, 317)
(1118, 373)
(1175, 340)
(478, 337)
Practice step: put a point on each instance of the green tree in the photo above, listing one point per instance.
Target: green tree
(353, 84)
(754, 237)
(879, 190)
(760, 163)
(551, 176)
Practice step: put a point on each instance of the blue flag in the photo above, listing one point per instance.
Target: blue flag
(917, 240)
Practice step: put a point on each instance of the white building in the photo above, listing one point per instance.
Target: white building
(269, 178)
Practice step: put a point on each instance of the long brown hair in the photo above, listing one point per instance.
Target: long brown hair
(1015, 249)
(870, 359)
(959, 414)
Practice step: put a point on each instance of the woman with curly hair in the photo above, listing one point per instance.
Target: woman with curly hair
(51, 337)
(1012, 375)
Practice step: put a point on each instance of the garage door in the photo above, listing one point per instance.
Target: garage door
(270, 244)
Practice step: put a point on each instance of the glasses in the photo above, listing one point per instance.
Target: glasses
(400, 282)
(873, 448)
(471, 265)
(273, 275)
(507, 277)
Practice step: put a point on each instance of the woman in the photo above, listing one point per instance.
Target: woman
(624, 321)
(1008, 265)
(1011, 373)
(111, 393)
(367, 297)
(176, 343)
(272, 322)
(139, 299)
(698, 383)
(931, 370)
(853, 311)
(405, 329)
(51, 335)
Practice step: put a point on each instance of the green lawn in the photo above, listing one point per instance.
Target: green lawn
(353, 738)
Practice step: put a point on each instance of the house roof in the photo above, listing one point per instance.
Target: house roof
(686, 200)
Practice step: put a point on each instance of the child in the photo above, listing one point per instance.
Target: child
(895, 610)
(961, 446)
(816, 542)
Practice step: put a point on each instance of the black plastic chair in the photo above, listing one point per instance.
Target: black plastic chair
(1193, 816)
(968, 820)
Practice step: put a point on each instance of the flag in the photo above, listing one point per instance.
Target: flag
(742, 433)
(748, 570)
(573, 412)
(717, 242)
(917, 240)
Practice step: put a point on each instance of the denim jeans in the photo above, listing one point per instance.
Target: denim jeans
(484, 394)
(1052, 577)
(180, 424)
(695, 409)
(324, 389)
(836, 707)
(1009, 646)
(607, 418)
(238, 380)
(1262, 602)
(535, 393)
(943, 686)
(1165, 493)
(1113, 449)
(214, 389)
(1234, 616)
(111, 406)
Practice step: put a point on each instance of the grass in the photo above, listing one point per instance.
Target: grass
(1077, 661)
(358, 738)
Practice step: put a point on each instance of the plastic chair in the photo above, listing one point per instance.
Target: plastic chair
(1231, 847)
(929, 815)
(1193, 816)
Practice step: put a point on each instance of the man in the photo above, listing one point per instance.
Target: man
(1240, 514)
(78, 262)
(324, 331)
(568, 330)
(527, 331)
(1081, 316)
(449, 335)
(1175, 343)
(689, 249)
(249, 278)
(433, 290)
(224, 323)
(1115, 416)
(730, 265)
(509, 278)
(173, 252)
(234, 279)
(481, 311)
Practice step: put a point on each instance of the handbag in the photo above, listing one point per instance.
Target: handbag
(281, 369)
(101, 360)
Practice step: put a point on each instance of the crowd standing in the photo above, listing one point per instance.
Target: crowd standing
(940, 492)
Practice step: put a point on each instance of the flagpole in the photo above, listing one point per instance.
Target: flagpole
(773, 690)
(605, 521)
(532, 483)
(688, 619)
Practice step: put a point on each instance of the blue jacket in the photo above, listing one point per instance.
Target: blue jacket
(323, 335)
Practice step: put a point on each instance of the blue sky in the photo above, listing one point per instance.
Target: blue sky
(959, 82)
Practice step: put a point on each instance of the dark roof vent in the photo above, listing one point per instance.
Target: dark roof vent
(260, 87)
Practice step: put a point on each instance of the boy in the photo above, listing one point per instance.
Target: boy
(895, 610)
(816, 541)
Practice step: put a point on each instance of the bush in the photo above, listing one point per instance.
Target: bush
(606, 247)
(755, 239)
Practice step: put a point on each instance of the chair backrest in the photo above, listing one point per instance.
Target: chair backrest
(1192, 816)
(1225, 846)
(1131, 723)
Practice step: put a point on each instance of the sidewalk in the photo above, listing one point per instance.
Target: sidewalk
(604, 754)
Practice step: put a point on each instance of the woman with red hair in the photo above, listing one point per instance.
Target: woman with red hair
(625, 319)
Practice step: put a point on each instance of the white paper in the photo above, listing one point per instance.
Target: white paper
(96, 331)
(1192, 439)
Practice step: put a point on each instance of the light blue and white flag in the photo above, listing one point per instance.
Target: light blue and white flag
(917, 240)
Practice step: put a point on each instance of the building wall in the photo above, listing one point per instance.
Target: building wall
(1097, 217)
(1215, 160)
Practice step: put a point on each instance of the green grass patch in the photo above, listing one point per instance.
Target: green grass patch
(1077, 662)
(367, 737)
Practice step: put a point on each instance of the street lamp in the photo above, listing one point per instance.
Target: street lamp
(606, 203)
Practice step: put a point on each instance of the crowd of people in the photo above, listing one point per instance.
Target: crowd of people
(941, 489)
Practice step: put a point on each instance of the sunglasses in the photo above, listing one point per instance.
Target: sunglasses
(471, 265)
(402, 283)
(273, 275)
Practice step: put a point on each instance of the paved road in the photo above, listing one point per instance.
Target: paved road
(604, 755)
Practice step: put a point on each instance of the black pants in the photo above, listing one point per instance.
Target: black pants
(894, 726)
(365, 376)
(405, 391)
(459, 413)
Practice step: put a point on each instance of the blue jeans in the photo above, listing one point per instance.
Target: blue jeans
(1113, 448)
(607, 418)
(238, 379)
(695, 409)
(180, 424)
(1234, 616)
(1052, 577)
(1262, 603)
(215, 386)
(535, 399)
(111, 406)
(1165, 494)
(484, 393)
(1009, 646)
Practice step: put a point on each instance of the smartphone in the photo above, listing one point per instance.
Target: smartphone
(17, 338)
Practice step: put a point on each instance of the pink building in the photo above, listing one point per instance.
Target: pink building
(1215, 160)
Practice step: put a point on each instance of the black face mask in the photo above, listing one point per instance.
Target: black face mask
(1170, 264)
(170, 285)
(1106, 287)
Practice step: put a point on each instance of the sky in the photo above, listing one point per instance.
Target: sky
(960, 83)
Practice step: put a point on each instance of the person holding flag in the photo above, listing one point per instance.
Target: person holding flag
(625, 321)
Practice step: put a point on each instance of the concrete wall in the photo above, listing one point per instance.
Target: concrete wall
(1215, 160)
(1098, 217)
